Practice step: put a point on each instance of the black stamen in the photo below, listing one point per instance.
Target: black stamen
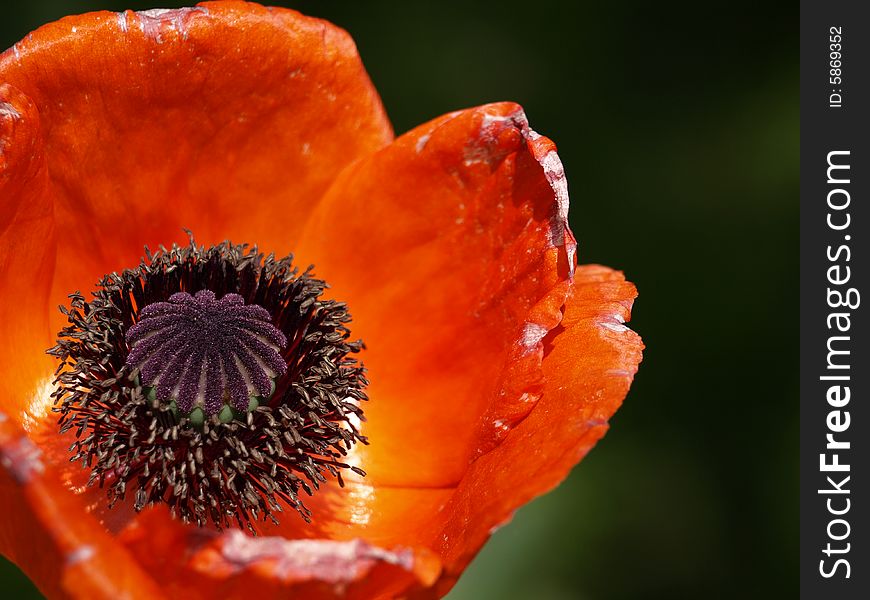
(214, 380)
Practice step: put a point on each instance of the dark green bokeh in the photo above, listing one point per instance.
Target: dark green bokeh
(679, 132)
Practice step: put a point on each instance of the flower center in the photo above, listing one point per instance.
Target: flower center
(216, 381)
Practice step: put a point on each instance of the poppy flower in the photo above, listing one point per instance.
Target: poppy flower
(493, 360)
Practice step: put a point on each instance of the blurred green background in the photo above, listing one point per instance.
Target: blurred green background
(678, 128)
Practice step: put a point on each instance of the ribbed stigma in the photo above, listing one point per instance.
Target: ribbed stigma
(208, 356)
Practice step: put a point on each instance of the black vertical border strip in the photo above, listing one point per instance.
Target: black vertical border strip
(825, 129)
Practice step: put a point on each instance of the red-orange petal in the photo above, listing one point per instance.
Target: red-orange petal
(228, 118)
(589, 363)
(196, 563)
(47, 532)
(452, 249)
(27, 254)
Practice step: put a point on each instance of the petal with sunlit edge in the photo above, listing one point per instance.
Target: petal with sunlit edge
(495, 362)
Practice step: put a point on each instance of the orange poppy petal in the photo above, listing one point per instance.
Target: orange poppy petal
(46, 531)
(197, 563)
(228, 118)
(452, 249)
(27, 253)
(589, 363)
